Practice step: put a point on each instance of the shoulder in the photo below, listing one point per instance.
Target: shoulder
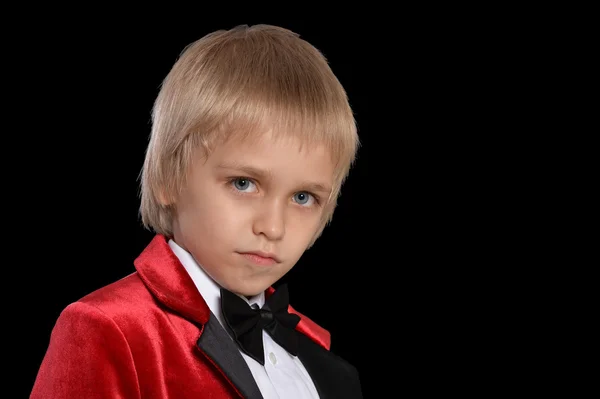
(119, 304)
(87, 348)
(119, 295)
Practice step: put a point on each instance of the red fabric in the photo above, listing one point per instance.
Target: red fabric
(136, 338)
(308, 327)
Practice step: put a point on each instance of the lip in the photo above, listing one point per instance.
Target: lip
(261, 258)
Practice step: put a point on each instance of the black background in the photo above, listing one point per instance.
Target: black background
(399, 276)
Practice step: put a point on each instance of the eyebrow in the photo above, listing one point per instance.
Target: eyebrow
(252, 171)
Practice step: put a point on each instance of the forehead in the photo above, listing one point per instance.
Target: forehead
(286, 156)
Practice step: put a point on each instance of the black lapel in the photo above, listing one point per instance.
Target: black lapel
(333, 376)
(218, 345)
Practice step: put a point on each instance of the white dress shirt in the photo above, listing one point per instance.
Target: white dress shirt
(283, 376)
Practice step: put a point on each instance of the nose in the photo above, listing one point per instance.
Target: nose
(270, 221)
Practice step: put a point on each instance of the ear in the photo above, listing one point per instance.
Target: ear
(164, 199)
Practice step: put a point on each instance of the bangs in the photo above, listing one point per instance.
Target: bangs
(310, 124)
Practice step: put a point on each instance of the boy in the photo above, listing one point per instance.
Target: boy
(252, 138)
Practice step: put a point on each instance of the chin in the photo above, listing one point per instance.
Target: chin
(248, 293)
(249, 290)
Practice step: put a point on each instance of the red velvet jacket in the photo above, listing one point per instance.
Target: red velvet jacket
(151, 335)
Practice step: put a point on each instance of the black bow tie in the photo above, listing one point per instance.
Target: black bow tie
(248, 323)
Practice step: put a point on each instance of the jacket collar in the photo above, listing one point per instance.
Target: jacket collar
(164, 275)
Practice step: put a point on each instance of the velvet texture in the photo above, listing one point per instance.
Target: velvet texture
(139, 338)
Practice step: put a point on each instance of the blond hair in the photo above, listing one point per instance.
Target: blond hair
(242, 81)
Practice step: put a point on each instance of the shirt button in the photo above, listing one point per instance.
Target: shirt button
(272, 358)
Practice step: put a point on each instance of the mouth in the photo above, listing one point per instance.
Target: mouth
(260, 258)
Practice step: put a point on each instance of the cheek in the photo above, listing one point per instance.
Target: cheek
(216, 215)
(302, 229)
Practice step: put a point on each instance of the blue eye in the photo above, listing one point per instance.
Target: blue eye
(302, 197)
(243, 184)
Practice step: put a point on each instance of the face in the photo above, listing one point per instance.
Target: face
(250, 209)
